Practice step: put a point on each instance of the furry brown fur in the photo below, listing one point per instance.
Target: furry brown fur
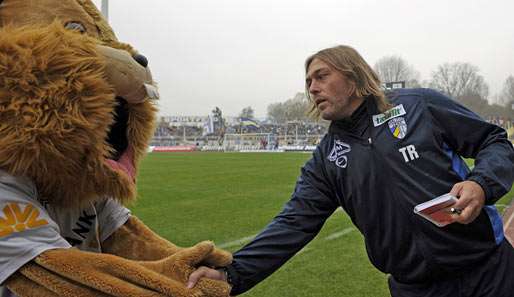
(55, 133)
(44, 12)
(106, 275)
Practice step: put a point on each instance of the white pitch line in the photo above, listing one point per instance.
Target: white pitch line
(243, 240)
(339, 234)
(239, 241)
(330, 237)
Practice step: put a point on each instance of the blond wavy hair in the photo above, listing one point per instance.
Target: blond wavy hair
(350, 63)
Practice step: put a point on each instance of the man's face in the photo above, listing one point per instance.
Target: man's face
(331, 91)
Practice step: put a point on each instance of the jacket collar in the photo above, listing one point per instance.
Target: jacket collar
(359, 121)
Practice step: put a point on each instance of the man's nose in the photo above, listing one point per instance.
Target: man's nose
(142, 60)
(314, 88)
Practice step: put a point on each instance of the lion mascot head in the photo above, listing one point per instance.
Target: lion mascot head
(77, 107)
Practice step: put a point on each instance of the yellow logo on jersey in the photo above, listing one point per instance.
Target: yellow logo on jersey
(15, 220)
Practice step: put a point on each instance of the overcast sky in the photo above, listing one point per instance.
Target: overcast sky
(238, 53)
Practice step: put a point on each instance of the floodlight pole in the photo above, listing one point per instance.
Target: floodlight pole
(105, 9)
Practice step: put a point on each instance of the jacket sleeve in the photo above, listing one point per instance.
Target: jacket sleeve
(296, 225)
(472, 137)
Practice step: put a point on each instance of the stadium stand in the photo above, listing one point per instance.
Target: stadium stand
(238, 137)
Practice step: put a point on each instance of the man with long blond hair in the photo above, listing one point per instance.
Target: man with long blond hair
(380, 158)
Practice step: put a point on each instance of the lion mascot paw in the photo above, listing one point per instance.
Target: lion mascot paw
(77, 111)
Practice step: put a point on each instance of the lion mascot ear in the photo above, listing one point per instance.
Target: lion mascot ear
(77, 111)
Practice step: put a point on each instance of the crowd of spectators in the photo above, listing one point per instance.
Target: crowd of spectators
(288, 132)
(163, 130)
(291, 129)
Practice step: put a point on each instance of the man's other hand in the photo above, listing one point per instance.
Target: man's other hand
(471, 200)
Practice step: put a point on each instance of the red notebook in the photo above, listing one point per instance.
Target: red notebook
(437, 210)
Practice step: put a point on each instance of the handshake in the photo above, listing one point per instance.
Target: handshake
(100, 274)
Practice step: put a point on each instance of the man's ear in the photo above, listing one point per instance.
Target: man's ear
(352, 88)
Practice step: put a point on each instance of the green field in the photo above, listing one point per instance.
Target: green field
(224, 197)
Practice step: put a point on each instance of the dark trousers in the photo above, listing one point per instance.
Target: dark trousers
(493, 278)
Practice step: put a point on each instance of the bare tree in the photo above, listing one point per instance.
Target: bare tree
(458, 80)
(476, 103)
(507, 94)
(247, 112)
(294, 109)
(277, 113)
(395, 68)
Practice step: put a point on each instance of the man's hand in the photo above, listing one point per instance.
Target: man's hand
(471, 200)
(207, 272)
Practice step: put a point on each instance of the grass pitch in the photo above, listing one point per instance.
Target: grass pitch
(229, 197)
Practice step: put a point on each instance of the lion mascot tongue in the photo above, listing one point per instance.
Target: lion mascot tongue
(77, 111)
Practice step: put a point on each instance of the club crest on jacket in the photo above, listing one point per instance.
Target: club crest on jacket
(398, 127)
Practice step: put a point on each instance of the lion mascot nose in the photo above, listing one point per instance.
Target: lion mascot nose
(142, 60)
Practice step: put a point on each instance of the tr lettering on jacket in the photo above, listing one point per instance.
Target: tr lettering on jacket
(409, 153)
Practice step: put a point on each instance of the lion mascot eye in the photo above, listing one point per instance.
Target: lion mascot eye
(75, 26)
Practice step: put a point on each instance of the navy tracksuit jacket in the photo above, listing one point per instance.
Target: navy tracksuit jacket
(377, 167)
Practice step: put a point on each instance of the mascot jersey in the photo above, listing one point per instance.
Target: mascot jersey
(28, 227)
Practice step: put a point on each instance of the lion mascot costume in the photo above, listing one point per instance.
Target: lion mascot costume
(77, 111)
